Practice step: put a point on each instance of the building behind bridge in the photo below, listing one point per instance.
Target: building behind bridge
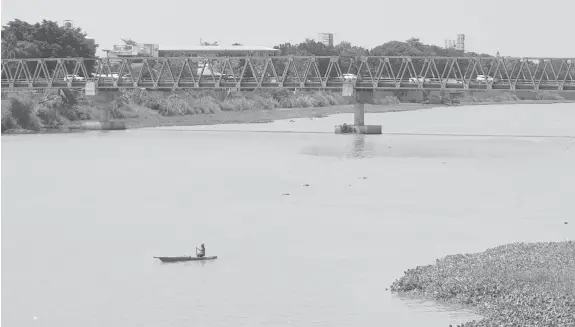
(458, 44)
(216, 51)
(134, 50)
(326, 38)
(154, 50)
(202, 67)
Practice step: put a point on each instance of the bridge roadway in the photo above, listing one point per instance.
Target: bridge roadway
(305, 72)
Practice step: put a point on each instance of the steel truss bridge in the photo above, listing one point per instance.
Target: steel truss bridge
(295, 72)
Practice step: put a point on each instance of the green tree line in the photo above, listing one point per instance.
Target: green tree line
(46, 39)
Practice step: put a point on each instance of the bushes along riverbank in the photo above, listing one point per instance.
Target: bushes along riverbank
(519, 284)
(58, 110)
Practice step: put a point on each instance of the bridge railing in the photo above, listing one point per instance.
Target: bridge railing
(384, 73)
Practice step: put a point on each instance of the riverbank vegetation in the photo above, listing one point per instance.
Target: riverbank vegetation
(519, 284)
(208, 102)
(29, 113)
(57, 109)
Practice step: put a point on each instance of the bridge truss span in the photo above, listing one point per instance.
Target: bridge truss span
(306, 72)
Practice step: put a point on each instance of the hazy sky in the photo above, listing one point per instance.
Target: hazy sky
(516, 28)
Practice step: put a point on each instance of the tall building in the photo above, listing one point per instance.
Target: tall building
(326, 38)
(458, 44)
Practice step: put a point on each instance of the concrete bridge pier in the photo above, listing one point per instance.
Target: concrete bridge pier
(358, 127)
(359, 114)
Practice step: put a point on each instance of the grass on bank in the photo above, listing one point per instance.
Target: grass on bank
(55, 110)
(520, 284)
(206, 102)
(508, 96)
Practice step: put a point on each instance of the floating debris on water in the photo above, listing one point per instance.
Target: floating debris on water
(518, 284)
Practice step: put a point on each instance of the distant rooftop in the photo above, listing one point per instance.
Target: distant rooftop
(216, 48)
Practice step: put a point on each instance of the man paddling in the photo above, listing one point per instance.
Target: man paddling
(201, 251)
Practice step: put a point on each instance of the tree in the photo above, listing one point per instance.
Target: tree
(397, 48)
(9, 45)
(307, 48)
(46, 40)
(345, 48)
(415, 43)
(12, 48)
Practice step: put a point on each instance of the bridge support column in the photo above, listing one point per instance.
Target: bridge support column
(358, 127)
(359, 114)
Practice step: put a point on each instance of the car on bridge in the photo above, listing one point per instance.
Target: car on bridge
(71, 78)
(419, 79)
(453, 81)
(486, 79)
(347, 77)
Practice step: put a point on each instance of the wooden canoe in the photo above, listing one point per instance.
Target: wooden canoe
(188, 258)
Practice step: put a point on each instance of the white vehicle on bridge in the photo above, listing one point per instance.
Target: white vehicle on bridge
(107, 76)
(348, 77)
(419, 80)
(72, 78)
(453, 81)
(484, 79)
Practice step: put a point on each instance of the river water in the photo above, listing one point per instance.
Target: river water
(84, 214)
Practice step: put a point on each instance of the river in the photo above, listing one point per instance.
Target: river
(84, 214)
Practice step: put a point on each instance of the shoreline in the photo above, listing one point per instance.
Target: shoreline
(258, 116)
(518, 284)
